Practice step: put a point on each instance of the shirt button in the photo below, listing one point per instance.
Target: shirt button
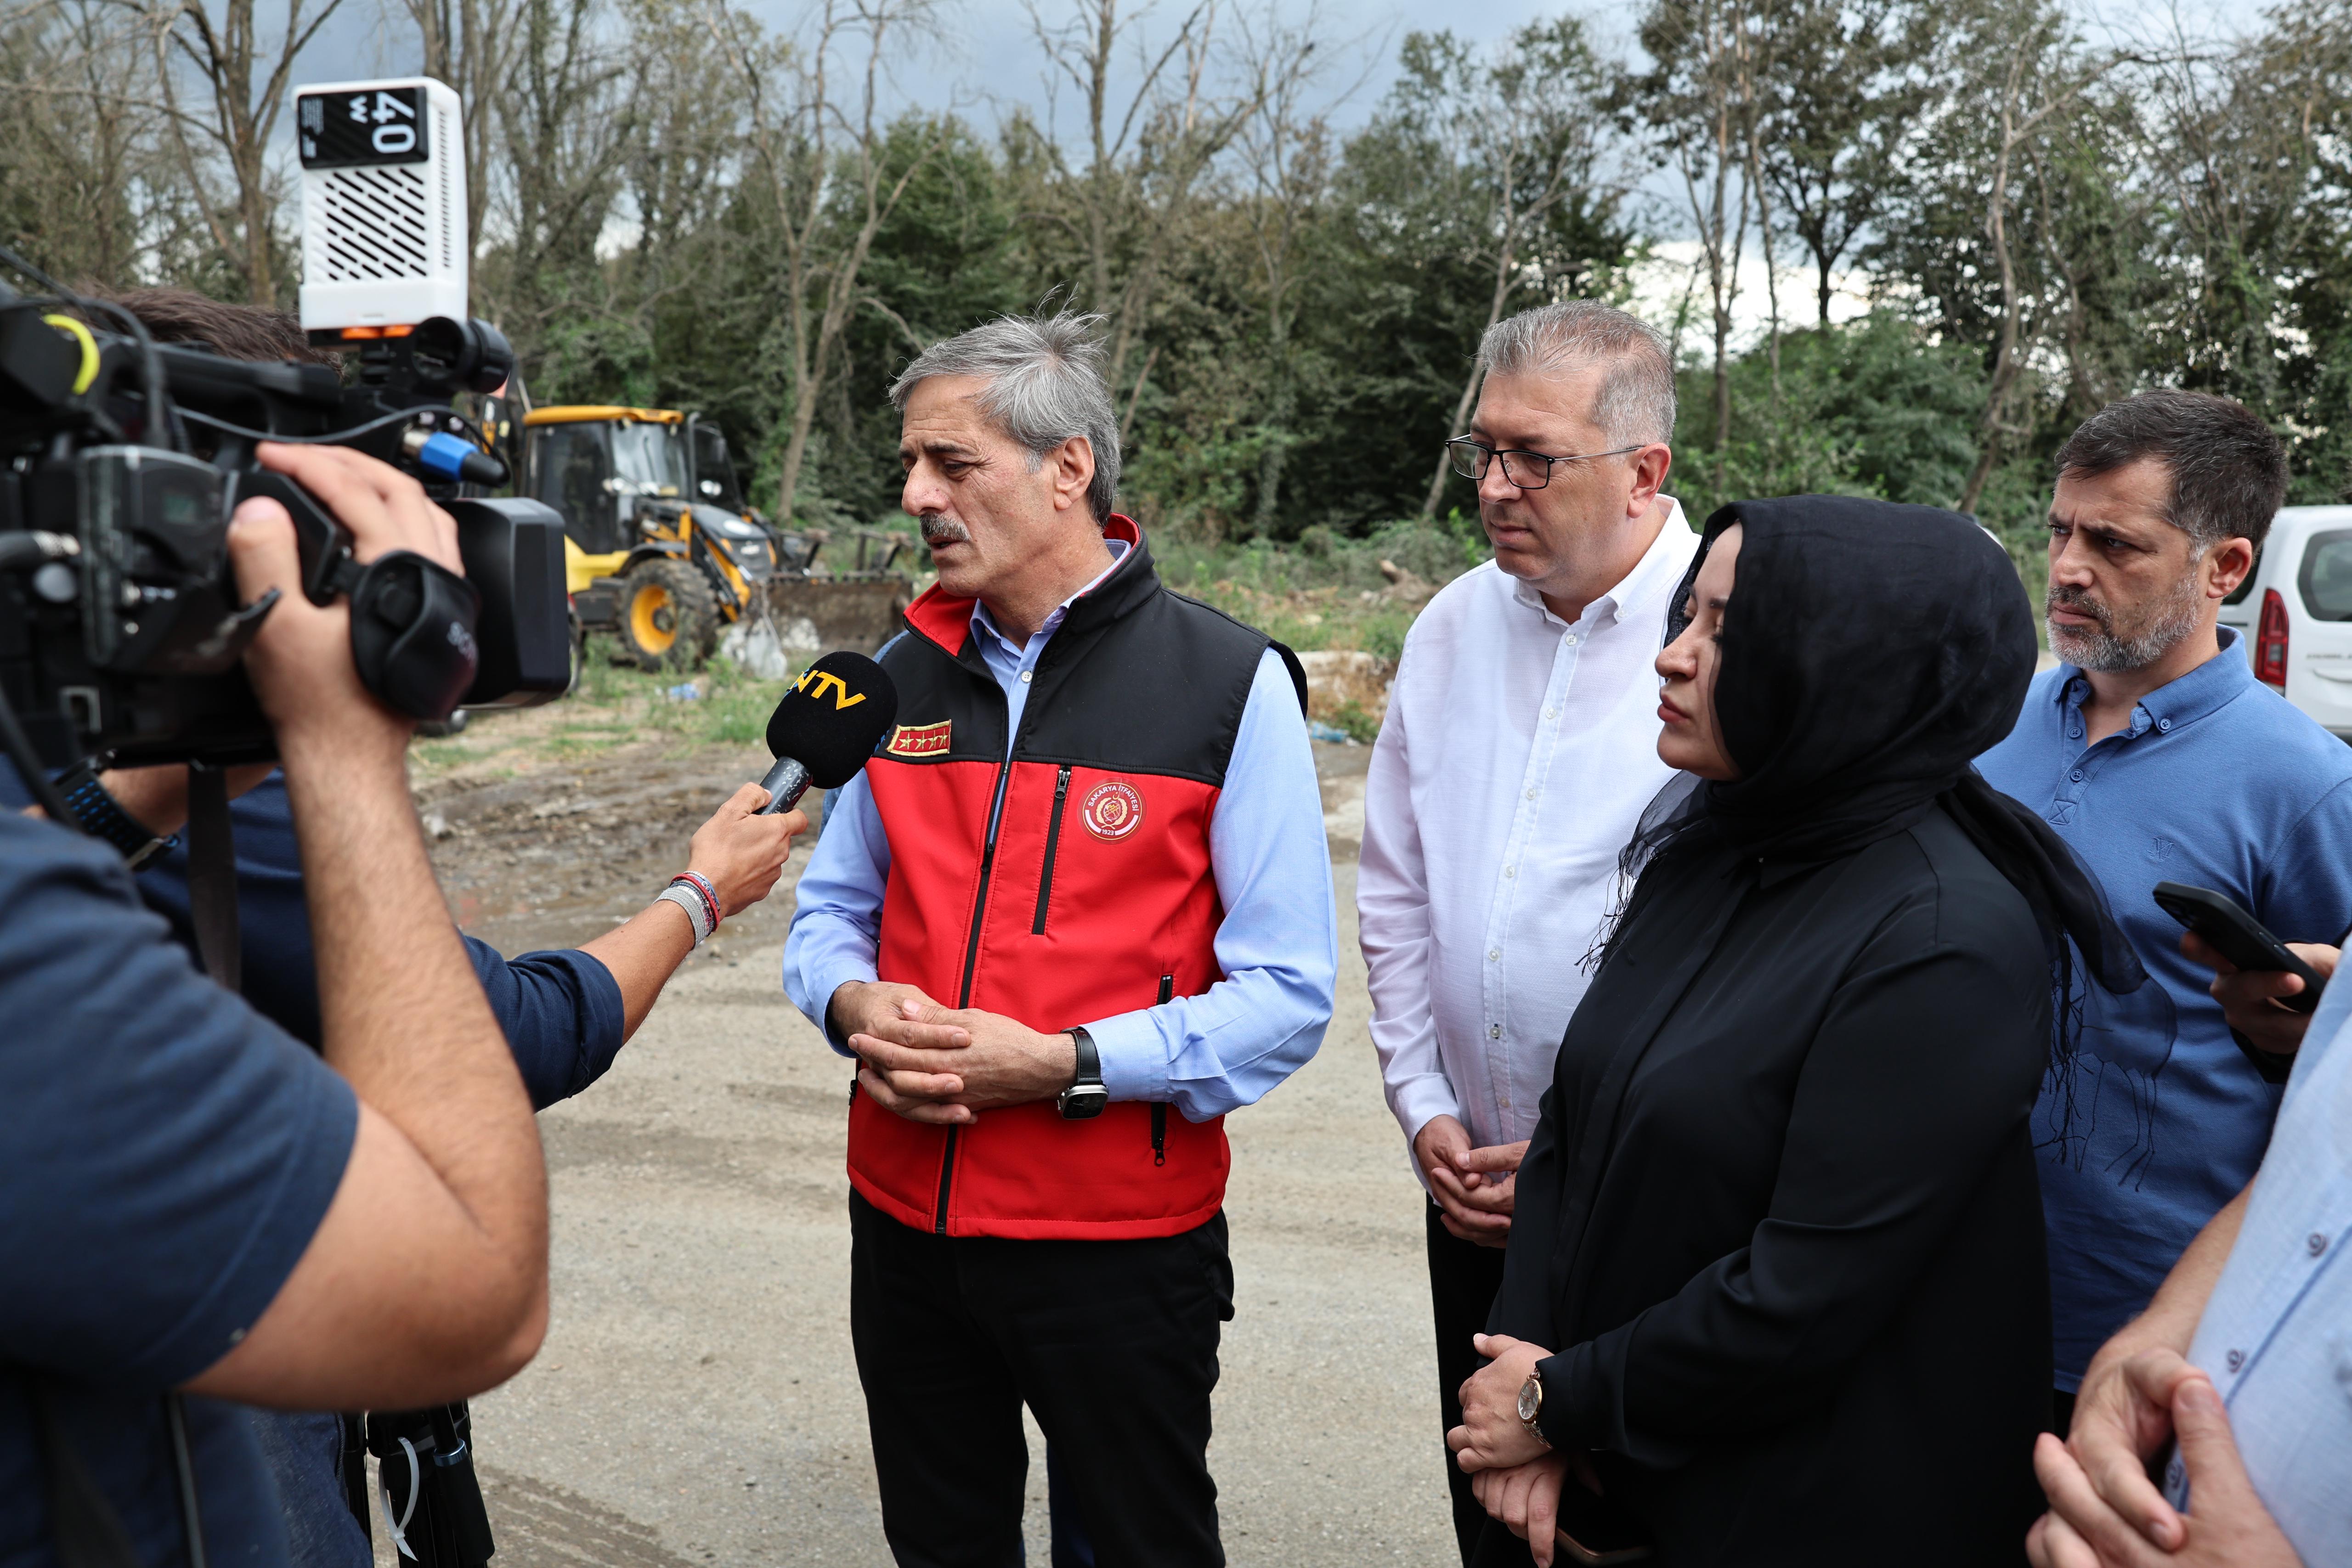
(1024, 674)
(1532, 794)
(2076, 776)
(2163, 726)
(2236, 1358)
(1493, 955)
(1551, 713)
(1510, 870)
(1506, 1101)
(1571, 638)
(2076, 733)
(2316, 1242)
(1494, 1031)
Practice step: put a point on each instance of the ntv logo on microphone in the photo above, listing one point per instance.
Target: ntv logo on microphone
(814, 682)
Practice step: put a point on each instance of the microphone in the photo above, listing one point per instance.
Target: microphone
(826, 727)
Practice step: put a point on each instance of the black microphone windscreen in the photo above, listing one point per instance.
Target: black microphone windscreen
(833, 718)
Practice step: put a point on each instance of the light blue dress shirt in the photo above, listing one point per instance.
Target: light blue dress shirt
(2218, 782)
(2276, 1335)
(1278, 944)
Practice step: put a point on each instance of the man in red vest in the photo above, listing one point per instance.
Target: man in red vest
(1075, 909)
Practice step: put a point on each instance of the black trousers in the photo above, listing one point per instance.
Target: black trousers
(1463, 1280)
(1111, 1345)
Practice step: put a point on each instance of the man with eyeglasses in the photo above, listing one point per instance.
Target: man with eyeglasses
(1517, 754)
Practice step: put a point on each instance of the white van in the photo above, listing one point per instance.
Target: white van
(2294, 611)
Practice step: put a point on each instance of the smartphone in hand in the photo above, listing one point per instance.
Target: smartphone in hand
(2239, 937)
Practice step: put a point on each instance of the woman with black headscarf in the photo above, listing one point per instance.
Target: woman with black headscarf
(1776, 1280)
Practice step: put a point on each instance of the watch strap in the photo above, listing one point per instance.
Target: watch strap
(1089, 1059)
(101, 815)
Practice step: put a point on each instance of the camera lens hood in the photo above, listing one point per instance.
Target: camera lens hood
(413, 634)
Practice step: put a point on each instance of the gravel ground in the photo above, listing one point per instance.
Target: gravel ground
(697, 1402)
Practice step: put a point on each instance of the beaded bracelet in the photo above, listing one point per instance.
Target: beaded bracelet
(701, 884)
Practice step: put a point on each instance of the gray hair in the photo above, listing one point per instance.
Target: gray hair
(1045, 385)
(1636, 401)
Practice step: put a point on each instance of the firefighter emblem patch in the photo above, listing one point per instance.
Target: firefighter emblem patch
(1112, 810)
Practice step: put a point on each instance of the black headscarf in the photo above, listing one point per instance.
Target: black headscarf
(1871, 652)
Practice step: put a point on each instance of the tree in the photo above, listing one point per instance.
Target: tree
(567, 113)
(88, 188)
(816, 151)
(223, 50)
(1699, 99)
(1285, 143)
(1520, 143)
(1145, 157)
(1828, 116)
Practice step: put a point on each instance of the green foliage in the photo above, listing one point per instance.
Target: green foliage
(1872, 407)
(665, 202)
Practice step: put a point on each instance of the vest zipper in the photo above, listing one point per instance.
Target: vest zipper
(1159, 1107)
(971, 962)
(1053, 843)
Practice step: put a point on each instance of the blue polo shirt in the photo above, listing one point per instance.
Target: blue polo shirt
(2218, 781)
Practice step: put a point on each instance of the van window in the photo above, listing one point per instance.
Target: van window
(2326, 578)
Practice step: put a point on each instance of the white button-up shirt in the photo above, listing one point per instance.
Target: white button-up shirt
(1516, 757)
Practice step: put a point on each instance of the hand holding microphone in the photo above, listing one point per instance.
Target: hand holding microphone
(826, 727)
(741, 852)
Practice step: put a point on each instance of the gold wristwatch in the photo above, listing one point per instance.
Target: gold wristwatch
(1531, 1407)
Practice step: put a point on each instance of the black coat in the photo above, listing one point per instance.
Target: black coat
(1781, 1220)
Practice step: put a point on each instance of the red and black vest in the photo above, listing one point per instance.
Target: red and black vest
(1094, 898)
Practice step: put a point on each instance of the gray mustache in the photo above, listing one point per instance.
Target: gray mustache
(945, 531)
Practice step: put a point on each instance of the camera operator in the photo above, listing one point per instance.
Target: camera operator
(565, 1014)
(198, 1204)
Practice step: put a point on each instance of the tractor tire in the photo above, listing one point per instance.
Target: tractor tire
(668, 619)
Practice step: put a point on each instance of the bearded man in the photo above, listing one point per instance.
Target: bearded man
(2158, 756)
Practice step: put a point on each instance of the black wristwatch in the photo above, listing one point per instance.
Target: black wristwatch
(1086, 1096)
(101, 815)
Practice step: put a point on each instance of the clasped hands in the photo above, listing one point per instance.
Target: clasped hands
(1473, 1188)
(1515, 1476)
(2105, 1511)
(944, 1065)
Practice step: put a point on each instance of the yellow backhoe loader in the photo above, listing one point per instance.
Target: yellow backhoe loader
(659, 547)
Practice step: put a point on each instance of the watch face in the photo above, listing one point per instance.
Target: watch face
(1083, 1101)
(1530, 1399)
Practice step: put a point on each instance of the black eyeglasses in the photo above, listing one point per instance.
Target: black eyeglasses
(1472, 458)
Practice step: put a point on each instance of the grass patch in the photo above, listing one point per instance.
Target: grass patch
(619, 702)
(614, 705)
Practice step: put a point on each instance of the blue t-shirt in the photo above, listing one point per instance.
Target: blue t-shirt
(2220, 783)
(170, 1156)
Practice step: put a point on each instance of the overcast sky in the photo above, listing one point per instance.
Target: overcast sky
(990, 65)
(992, 58)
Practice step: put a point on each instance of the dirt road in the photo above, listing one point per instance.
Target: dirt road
(696, 1402)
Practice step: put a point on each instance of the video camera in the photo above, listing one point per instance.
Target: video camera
(122, 461)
